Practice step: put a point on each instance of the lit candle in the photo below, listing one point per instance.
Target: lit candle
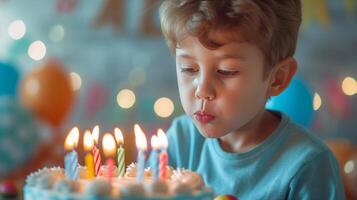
(95, 151)
(71, 158)
(109, 147)
(141, 145)
(120, 152)
(163, 155)
(89, 161)
(155, 156)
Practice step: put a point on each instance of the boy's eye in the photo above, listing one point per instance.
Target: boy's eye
(188, 70)
(227, 73)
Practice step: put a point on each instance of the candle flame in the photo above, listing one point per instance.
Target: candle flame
(109, 145)
(162, 138)
(155, 144)
(88, 142)
(118, 136)
(140, 138)
(72, 139)
(95, 134)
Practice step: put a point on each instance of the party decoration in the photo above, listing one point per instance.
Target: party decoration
(350, 6)
(337, 103)
(296, 101)
(9, 79)
(97, 97)
(66, 6)
(147, 25)
(8, 188)
(19, 136)
(315, 11)
(225, 197)
(111, 13)
(47, 92)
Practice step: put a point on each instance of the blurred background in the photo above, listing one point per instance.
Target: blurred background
(66, 63)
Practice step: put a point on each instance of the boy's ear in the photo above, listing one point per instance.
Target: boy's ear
(281, 76)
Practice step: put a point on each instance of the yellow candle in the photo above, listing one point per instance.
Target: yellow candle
(89, 160)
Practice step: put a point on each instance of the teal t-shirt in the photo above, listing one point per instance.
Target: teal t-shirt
(291, 163)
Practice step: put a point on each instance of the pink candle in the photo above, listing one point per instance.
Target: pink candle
(163, 164)
(163, 155)
(109, 147)
(96, 152)
(97, 161)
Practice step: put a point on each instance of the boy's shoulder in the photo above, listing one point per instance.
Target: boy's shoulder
(300, 144)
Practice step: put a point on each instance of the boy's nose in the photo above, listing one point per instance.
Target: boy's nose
(205, 90)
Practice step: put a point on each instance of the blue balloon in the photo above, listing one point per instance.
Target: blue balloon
(9, 79)
(296, 101)
(19, 135)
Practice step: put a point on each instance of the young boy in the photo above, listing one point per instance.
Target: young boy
(231, 56)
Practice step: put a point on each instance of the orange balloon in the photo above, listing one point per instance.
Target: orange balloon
(47, 92)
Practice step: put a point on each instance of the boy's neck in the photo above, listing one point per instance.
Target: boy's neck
(252, 134)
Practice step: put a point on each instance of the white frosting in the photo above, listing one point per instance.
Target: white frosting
(51, 183)
(188, 177)
(132, 169)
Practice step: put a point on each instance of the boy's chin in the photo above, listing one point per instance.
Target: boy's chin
(209, 133)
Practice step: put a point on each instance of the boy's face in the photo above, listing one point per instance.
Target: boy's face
(221, 89)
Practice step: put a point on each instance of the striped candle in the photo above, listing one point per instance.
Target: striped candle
(121, 161)
(163, 155)
(163, 165)
(96, 152)
(120, 152)
(97, 161)
(71, 165)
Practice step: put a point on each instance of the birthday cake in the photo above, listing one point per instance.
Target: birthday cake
(51, 183)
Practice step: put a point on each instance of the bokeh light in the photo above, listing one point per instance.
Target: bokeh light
(317, 101)
(37, 50)
(349, 166)
(349, 86)
(76, 81)
(17, 29)
(164, 107)
(56, 33)
(126, 98)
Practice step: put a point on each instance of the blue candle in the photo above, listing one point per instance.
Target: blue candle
(71, 158)
(141, 165)
(141, 145)
(155, 156)
(71, 165)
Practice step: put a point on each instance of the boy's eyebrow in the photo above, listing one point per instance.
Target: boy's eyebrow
(221, 57)
(185, 55)
(231, 56)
